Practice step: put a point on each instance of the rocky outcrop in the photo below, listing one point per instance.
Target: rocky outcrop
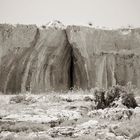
(58, 58)
(33, 59)
(105, 57)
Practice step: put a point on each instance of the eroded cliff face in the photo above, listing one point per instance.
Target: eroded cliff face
(33, 59)
(38, 60)
(105, 57)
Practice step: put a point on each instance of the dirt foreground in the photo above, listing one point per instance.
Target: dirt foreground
(65, 117)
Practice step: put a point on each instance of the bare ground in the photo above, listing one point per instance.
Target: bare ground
(65, 117)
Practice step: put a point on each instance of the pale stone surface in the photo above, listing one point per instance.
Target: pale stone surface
(56, 57)
(112, 113)
(105, 57)
(79, 130)
(33, 59)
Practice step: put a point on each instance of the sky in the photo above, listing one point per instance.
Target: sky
(107, 13)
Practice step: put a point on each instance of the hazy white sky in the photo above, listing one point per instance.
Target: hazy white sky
(109, 13)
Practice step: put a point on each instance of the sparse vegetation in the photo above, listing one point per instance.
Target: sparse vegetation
(17, 99)
(22, 99)
(129, 100)
(128, 128)
(107, 98)
(100, 98)
(90, 24)
(113, 112)
(43, 26)
(21, 127)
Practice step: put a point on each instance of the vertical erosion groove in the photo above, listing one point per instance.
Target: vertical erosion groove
(71, 71)
(77, 72)
(29, 71)
(69, 61)
(70, 65)
(15, 69)
(79, 75)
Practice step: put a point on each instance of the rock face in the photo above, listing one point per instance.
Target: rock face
(105, 57)
(33, 59)
(51, 58)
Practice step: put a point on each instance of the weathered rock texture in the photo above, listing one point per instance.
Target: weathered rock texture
(37, 60)
(33, 59)
(105, 57)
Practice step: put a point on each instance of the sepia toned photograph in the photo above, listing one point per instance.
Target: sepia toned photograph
(69, 69)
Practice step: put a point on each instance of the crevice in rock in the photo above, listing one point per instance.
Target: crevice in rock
(71, 70)
(77, 70)
(71, 65)
(36, 38)
(33, 44)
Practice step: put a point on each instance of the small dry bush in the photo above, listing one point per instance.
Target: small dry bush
(99, 98)
(129, 100)
(107, 98)
(43, 26)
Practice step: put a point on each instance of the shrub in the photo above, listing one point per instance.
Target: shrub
(129, 100)
(112, 94)
(90, 24)
(43, 26)
(108, 98)
(99, 98)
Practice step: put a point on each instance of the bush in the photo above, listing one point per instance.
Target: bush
(108, 98)
(129, 100)
(43, 26)
(112, 94)
(90, 24)
(99, 98)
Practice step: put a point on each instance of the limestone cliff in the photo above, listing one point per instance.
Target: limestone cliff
(33, 59)
(41, 59)
(105, 57)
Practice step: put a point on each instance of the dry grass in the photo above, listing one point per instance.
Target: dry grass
(129, 128)
(22, 127)
(107, 98)
(23, 116)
